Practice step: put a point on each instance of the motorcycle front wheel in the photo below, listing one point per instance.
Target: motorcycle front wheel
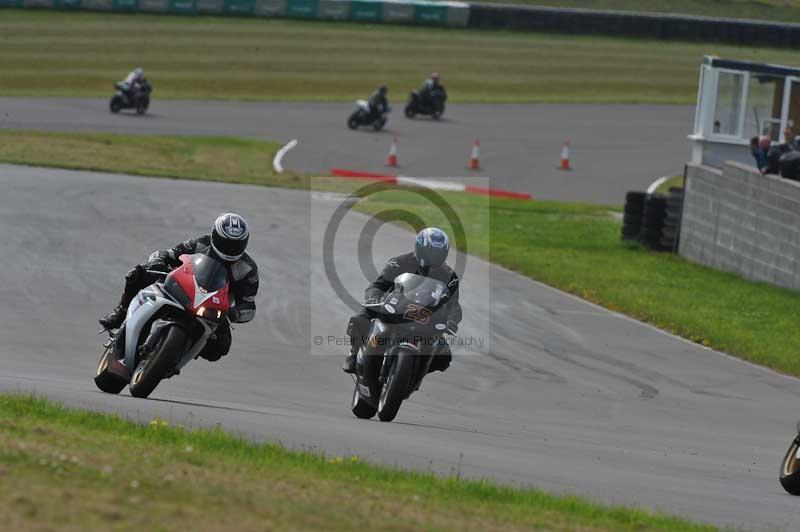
(410, 111)
(116, 104)
(353, 121)
(790, 468)
(396, 387)
(141, 108)
(163, 358)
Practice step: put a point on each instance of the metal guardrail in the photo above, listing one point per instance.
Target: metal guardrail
(634, 24)
(462, 14)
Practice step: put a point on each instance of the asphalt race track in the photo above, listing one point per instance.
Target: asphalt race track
(571, 398)
(615, 148)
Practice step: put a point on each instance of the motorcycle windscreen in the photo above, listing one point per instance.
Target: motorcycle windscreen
(421, 290)
(210, 274)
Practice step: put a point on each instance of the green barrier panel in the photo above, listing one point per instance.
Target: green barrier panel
(425, 13)
(186, 7)
(398, 12)
(36, 4)
(301, 8)
(270, 8)
(97, 5)
(154, 6)
(125, 5)
(333, 9)
(366, 10)
(240, 7)
(209, 6)
(458, 15)
(67, 4)
(10, 3)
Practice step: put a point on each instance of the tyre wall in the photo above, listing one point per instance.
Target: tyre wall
(740, 221)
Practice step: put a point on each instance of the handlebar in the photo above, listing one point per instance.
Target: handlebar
(157, 272)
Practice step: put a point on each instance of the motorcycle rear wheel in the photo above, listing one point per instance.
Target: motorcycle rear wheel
(154, 368)
(104, 379)
(141, 109)
(790, 468)
(397, 385)
(360, 407)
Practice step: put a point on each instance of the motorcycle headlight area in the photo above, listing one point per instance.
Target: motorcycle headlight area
(209, 314)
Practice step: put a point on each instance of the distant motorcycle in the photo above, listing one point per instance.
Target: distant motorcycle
(433, 107)
(363, 116)
(790, 467)
(400, 347)
(167, 325)
(137, 97)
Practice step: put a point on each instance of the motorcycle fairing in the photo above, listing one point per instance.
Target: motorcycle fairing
(144, 306)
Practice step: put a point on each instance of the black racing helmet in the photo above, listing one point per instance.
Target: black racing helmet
(229, 236)
(431, 247)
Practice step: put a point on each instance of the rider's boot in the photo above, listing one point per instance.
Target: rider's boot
(115, 318)
(349, 365)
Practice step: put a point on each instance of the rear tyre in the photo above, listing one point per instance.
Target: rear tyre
(105, 380)
(361, 409)
(790, 469)
(141, 109)
(150, 371)
(353, 121)
(396, 387)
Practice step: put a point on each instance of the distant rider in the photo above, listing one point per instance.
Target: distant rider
(226, 242)
(378, 104)
(430, 90)
(132, 83)
(428, 259)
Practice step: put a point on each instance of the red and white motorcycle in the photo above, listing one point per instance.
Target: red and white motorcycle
(168, 323)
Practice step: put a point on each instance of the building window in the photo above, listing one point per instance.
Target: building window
(764, 102)
(727, 112)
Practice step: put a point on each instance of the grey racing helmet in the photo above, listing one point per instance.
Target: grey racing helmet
(431, 247)
(229, 236)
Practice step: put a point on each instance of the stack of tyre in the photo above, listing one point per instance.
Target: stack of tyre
(672, 220)
(653, 219)
(632, 219)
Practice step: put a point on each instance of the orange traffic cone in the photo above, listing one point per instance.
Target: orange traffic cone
(391, 160)
(565, 157)
(474, 157)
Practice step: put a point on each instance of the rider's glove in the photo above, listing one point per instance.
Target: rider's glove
(452, 326)
(243, 312)
(159, 266)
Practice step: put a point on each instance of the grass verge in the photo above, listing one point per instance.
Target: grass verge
(82, 54)
(574, 247)
(87, 471)
(224, 159)
(774, 10)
